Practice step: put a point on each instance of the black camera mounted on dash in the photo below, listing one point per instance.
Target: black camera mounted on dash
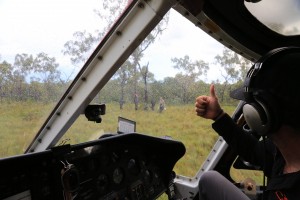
(93, 112)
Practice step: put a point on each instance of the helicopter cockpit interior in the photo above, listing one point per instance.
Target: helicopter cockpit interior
(97, 97)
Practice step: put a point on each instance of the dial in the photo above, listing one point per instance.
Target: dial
(118, 175)
(148, 176)
(102, 183)
(133, 167)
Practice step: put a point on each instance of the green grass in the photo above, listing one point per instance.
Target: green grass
(19, 122)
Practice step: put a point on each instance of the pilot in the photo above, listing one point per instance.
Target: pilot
(271, 97)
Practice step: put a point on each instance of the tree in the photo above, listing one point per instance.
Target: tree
(191, 71)
(46, 72)
(137, 55)
(46, 68)
(79, 47)
(146, 76)
(233, 69)
(123, 75)
(22, 67)
(39, 69)
(6, 70)
(169, 90)
(83, 42)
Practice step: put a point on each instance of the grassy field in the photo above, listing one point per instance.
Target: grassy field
(19, 123)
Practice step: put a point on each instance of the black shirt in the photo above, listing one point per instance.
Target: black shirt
(262, 153)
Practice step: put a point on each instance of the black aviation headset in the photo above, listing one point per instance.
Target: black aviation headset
(262, 109)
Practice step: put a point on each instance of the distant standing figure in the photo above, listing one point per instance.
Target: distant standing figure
(136, 102)
(152, 104)
(161, 104)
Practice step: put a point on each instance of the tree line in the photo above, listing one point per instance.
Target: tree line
(37, 78)
(29, 77)
(181, 89)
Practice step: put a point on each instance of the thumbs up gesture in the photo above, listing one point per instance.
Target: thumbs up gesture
(208, 106)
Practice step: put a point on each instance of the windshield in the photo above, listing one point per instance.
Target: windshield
(155, 88)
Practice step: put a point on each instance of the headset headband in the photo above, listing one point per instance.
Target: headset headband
(246, 92)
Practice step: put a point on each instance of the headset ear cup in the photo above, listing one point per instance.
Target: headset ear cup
(270, 104)
(257, 118)
(264, 115)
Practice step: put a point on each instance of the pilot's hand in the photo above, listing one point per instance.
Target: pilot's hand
(208, 106)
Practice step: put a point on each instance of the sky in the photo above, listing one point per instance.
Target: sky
(181, 38)
(34, 26)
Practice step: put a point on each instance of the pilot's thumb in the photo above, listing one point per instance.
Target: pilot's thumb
(212, 91)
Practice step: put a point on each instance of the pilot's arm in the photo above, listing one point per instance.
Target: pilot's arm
(244, 144)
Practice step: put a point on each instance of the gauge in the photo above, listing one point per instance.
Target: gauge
(133, 167)
(118, 175)
(115, 157)
(148, 176)
(102, 183)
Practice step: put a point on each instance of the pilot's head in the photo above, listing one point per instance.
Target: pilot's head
(271, 91)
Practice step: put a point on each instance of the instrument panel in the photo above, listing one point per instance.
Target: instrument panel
(122, 166)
